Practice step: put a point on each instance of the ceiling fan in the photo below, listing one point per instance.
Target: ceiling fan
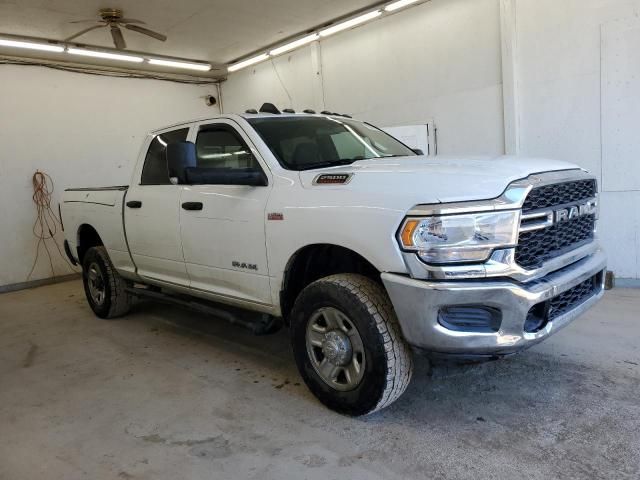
(113, 19)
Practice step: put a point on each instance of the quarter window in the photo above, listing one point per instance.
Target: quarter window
(155, 171)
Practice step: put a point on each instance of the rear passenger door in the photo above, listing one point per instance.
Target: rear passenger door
(224, 241)
(152, 215)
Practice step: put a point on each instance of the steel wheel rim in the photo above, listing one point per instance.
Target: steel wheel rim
(335, 349)
(96, 284)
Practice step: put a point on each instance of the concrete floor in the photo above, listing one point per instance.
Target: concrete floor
(168, 394)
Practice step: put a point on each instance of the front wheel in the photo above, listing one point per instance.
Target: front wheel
(348, 345)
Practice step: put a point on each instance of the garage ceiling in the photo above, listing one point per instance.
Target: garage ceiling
(218, 31)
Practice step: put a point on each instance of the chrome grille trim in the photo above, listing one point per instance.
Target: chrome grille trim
(535, 221)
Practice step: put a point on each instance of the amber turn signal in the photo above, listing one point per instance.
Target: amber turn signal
(407, 232)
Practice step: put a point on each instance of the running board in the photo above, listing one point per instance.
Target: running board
(264, 324)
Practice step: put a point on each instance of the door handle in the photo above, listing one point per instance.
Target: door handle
(134, 204)
(192, 205)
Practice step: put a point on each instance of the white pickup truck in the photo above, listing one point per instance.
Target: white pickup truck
(363, 247)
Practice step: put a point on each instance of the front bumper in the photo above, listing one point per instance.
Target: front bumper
(417, 304)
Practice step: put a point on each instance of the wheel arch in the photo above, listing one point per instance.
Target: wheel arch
(318, 260)
(87, 237)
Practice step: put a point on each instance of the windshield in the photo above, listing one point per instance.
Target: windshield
(304, 143)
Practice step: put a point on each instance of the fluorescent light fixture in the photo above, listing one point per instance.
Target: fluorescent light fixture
(295, 44)
(203, 67)
(31, 45)
(109, 56)
(246, 63)
(399, 4)
(350, 23)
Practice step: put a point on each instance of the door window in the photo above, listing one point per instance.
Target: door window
(220, 147)
(155, 171)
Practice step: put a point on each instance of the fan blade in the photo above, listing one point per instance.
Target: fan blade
(146, 31)
(118, 39)
(85, 21)
(131, 20)
(82, 32)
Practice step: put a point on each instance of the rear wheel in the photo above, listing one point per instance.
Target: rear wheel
(348, 345)
(104, 288)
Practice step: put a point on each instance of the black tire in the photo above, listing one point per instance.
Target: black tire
(388, 361)
(114, 301)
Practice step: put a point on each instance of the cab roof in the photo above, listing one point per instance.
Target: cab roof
(248, 116)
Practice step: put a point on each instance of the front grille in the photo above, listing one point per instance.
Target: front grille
(573, 297)
(541, 314)
(537, 246)
(559, 194)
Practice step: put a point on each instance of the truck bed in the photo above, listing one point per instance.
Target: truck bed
(101, 208)
(107, 196)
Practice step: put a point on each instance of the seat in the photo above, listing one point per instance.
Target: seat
(306, 153)
(180, 156)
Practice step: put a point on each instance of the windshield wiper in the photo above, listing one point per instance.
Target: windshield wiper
(334, 163)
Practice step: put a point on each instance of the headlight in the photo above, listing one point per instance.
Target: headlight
(460, 238)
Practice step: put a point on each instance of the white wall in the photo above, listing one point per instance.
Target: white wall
(437, 61)
(82, 130)
(571, 98)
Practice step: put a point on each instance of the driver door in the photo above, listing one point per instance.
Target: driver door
(223, 226)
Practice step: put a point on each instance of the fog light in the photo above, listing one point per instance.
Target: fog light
(470, 318)
(537, 318)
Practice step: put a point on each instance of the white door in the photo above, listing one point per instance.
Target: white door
(152, 216)
(223, 226)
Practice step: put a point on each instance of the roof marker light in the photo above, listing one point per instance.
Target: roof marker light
(350, 23)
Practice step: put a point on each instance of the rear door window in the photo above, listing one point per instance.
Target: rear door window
(155, 171)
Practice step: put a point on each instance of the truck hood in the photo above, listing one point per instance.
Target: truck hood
(423, 180)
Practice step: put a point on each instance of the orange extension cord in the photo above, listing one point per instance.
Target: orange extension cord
(46, 225)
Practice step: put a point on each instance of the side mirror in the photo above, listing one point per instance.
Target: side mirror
(180, 156)
(417, 151)
(223, 176)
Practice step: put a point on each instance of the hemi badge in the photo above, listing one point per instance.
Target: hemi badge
(275, 216)
(332, 179)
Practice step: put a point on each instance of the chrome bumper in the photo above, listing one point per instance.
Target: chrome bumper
(418, 302)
